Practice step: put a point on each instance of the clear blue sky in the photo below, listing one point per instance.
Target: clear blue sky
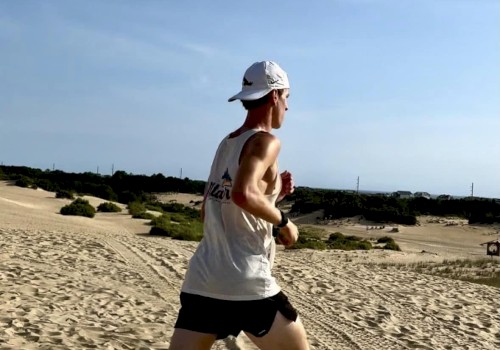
(404, 94)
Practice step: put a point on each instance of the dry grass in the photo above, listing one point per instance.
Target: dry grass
(482, 271)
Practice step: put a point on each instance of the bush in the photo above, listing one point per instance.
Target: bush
(154, 208)
(136, 208)
(307, 243)
(392, 246)
(311, 238)
(176, 208)
(47, 185)
(79, 207)
(24, 181)
(338, 241)
(108, 207)
(385, 239)
(65, 194)
(187, 230)
(336, 236)
(143, 215)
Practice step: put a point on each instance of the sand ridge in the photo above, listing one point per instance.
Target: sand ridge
(104, 283)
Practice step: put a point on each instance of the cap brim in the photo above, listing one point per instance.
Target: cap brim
(250, 95)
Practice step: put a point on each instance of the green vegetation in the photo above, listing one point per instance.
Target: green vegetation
(120, 187)
(79, 207)
(310, 237)
(65, 194)
(24, 181)
(390, 244)
(125, 188)
(109, 207)
(314, 238)
(178, 226)
(138, 190)
(338, 241)
(485, 271)
(381, 208)
(138, 210)
(144, 215)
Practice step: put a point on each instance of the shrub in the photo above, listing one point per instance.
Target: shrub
(338, 241)
(47, 185)
(187, 230)
(178, 208)
(79, 207)
(143, 215)
(135, 208)
(392, 246)
(154, 207)
(310, 237)
(306, 242)
(336, 236)
(24, 181)
(385, 239)
(108, 207)
(65, 194)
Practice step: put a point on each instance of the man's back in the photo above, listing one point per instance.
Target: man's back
(235, 257)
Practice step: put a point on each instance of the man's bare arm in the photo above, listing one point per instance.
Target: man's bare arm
(260, 154)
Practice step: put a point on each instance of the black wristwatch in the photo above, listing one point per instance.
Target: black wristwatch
(284, 220)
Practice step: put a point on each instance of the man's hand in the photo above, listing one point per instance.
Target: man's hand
(288, 235)
(287, 185)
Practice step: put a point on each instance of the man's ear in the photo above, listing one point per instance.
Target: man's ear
(274, 97)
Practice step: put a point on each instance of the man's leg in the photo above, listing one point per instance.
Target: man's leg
(283, 335)
(183, 339)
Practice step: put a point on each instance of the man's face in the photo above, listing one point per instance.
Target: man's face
(280, 108)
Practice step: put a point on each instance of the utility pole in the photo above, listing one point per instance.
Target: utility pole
(472, 190)
(357, 186)
(181, 174)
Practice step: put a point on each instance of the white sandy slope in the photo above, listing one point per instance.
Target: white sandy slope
(104, 283)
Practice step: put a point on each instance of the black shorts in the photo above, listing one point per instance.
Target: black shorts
(227, 317)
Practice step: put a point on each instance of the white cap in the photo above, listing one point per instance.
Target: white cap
(260, 79)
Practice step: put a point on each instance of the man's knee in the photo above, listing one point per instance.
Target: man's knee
(184, 339)
(284, 334)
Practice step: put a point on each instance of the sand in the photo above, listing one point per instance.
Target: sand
(104, 283)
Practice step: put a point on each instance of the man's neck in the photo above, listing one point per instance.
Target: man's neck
(259, 118)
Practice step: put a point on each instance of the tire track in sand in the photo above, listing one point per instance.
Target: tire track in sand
(163, 274)
(162, 282)
(331, 331)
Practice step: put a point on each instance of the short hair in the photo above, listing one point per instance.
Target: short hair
(248, 105)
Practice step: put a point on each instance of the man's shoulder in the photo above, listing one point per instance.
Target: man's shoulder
(262, 142)
(264, 137)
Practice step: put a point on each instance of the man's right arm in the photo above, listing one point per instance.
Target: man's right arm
(259, 155)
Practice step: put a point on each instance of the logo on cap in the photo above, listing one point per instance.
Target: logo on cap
(246, 82)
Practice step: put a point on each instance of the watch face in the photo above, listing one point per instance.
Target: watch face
(493, 249)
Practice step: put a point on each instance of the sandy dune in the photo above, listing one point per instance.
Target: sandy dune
(104, 283)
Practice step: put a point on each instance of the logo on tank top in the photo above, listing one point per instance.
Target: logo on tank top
(221, 191)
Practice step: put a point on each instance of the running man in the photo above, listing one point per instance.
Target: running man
(228, 287)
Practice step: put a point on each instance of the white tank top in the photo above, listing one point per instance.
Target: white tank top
(234, 259)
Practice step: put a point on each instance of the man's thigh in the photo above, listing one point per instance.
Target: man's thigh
(283, 335)
(184, 339)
